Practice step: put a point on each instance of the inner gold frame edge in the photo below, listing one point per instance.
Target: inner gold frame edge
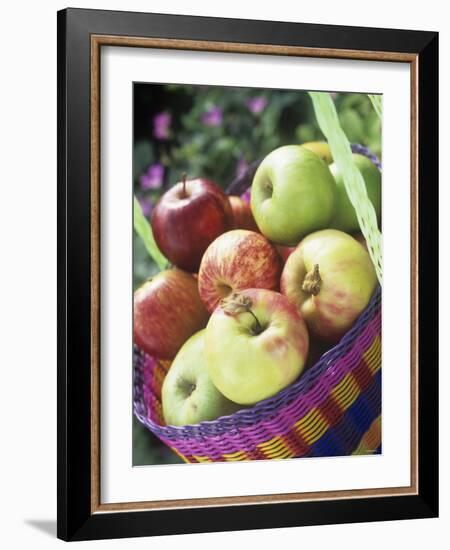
(97, 41)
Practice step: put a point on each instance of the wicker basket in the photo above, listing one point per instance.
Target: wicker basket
(333, 409)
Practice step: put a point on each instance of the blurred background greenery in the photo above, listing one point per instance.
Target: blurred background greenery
(215, 132)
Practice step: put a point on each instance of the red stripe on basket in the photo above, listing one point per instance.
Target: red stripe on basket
(362, 374)
(256, 454)
(331, 410)
(296, 443)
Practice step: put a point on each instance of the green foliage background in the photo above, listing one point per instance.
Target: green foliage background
(240, 135)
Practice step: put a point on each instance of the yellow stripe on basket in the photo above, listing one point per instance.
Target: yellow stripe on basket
(346, 392)
(238, 455)
(202, 458)
(371, 440)
(372, 356)
(281, 455)
(275, 448)
(312, 426)
(278, 451)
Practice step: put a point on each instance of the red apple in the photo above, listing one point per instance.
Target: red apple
(167, 311)
(237, 260)
(330, 278)
(242, 214)
(187, 218)
(284, 251)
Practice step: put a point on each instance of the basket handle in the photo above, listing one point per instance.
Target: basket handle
(341, 151)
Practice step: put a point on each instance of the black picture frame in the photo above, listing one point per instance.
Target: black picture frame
(76, 519)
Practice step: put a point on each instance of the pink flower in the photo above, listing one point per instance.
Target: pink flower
(212, 117)
(257, 104)
(153, 178)
(161, 125)
(246, 196)
(146, 206)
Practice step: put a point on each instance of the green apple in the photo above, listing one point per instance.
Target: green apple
(344, 214)
(293, 194)
(188, 394)
(330, 278)
(256, 344)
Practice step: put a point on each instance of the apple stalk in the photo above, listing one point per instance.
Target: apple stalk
(183, 191)
(240, 303)
(312, 281)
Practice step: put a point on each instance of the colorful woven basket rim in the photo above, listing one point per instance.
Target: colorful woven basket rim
(269, 406)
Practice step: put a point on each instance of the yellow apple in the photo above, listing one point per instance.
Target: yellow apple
(256, 344)
(330, 278)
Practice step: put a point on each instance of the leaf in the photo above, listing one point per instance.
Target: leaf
(143, 229)
(376, 100)
(354, 183)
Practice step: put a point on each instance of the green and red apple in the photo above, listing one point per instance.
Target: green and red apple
(293, 194)
(237, 260)
(188, 394)
(344, 217)
(167, 311)
(330, 278)
(256, 344)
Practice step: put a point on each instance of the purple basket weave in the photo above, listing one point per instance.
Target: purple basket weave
(334, 408)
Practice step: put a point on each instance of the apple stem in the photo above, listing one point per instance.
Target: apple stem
(184, 176)
(258, 329)
(312, 281)
(239, 303)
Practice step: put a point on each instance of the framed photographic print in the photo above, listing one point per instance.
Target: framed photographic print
(247, 251)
